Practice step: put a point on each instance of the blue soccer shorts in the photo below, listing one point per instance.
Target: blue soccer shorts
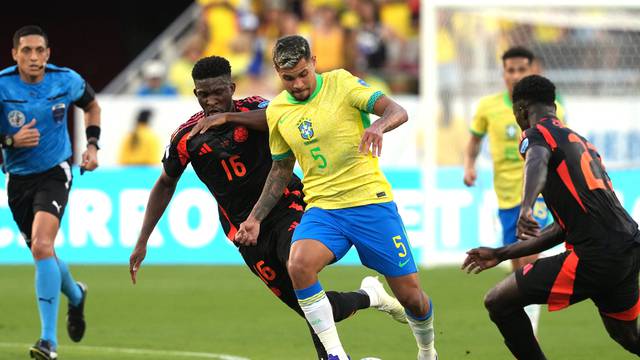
(509, 220)
(376, 230)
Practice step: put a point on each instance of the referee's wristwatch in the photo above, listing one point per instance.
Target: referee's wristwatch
(93, 142)
(7, 141)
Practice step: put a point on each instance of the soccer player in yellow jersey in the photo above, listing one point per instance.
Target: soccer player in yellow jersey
(322, 120)
(494, 117)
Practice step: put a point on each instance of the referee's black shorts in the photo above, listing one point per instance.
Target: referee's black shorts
(46, 191)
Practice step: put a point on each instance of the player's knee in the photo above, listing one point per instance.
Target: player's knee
(299, 267)
(414, 301)
(629, 340)
(41, 247)
(492, 301)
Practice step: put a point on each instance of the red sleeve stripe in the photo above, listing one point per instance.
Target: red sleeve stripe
(627, 315)
(183, 154)
(563, 172)
(547, 136)
(232, 229)
(560, 295)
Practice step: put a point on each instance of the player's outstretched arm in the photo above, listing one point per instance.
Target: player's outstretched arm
(159, 198)
(255, 119)
(279, 177)
(391, 115)
(549, 237)
(482, 258)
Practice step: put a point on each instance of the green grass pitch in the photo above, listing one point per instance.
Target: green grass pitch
(201, 312)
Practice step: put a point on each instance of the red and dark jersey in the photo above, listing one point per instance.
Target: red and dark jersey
(233, 162)
(579, 192)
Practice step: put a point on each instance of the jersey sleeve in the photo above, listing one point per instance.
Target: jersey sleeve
(279, 148)
(358, 93)
(532, 137)
(176, 158)
(479, 123)
(251, 103)
(79, 91)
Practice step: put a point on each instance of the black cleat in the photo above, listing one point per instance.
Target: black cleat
(42, 350)
(75, 316)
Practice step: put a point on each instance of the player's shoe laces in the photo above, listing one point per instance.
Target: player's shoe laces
(43, 350)
(75, 316)
(381, 300)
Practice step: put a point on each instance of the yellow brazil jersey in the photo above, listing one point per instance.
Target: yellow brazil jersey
(494, 117)
(323, 133)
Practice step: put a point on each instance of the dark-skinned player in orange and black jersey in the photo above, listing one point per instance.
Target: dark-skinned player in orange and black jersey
(603, 242)
(233, 161)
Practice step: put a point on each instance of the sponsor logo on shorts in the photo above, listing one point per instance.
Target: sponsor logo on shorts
(58, 207)
(403, 263)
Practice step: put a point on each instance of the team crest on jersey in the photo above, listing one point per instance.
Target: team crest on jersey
(524, 145)
(306, 129)
(57, 111)
(363, 83)
(511, 131)
(240, 134)
(16, 118)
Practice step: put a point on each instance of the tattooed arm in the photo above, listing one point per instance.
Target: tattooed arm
(391, 115)
(277, 180)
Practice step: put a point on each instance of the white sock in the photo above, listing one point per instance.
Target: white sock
(533, 312)
(424, 334)
(317, 309)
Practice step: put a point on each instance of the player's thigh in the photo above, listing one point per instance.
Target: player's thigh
(509, 220)
(53, 191)
(619, 298)
(552, 280)
(379, 235)
(20, 193)
(319, 225)
(263, 261)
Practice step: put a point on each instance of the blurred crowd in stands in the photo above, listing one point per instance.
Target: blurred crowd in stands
(375, 39)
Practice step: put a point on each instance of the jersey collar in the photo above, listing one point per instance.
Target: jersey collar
(507, 99)
(293, 100)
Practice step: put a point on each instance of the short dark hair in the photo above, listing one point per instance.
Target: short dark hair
(29, 30)
(289, 50)
(518, 52)
(210, 67)
(144, 116)
(535, 89)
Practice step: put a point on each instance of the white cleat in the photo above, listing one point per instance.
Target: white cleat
(381, 300)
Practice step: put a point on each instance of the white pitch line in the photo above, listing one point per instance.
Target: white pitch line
(161, 353)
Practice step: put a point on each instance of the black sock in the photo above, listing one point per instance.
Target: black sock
(516, 329)
(345, 304)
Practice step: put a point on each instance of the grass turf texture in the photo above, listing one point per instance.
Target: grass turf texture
(227, 310)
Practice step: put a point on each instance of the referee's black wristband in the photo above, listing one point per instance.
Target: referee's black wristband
(92, 131)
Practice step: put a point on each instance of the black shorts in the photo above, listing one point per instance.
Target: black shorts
(47, 191)
(268, 259)
(565, 279)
